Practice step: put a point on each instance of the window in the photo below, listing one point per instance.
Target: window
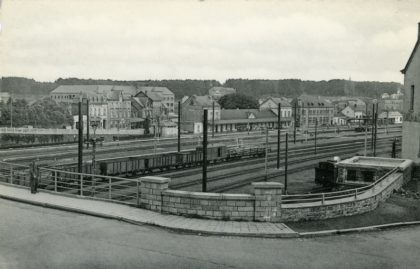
(412, 98)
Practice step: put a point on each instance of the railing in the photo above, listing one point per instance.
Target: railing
(14, 174)
(69, 131)
(123, 190)
(326, 196)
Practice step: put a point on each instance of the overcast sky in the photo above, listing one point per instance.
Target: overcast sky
(136, 40)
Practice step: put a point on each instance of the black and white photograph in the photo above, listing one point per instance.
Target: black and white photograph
(209, 134)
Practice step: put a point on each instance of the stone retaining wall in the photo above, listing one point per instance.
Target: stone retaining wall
(352, 206)
(209, 205)
(265, 204)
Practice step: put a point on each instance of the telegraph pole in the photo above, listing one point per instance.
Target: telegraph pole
(179, 126)
(212, 124)
(373, 125)
(278, 135)
(11, 111)
(204, 179)
(87, 121)
(294, 127)
(285, 162)
(366, 127)
(80, 151)
(266, 153)
(376, 130)
(316, 130)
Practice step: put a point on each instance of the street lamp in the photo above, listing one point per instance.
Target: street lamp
(93, 141)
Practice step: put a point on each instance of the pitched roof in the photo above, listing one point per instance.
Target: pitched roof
(278, 100)
(94, 89)
(148, 89)
(314, 101)
(413, 52)
(204, 100)
(230, 114)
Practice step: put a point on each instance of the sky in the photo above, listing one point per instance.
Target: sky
(140, 40)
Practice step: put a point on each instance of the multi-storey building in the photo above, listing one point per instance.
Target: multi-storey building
(109, 105)
(411, 107)
(311, 109)
(165, 95)
(192, 112)
(271, 103)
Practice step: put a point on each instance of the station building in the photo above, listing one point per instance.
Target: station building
(411, 107)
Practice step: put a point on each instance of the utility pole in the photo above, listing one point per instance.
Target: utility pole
(366, 127)
(11, 111)
(394, 145)
(376, 130)
(87, 121)
(316, 130)
(294, 125)
(285, 162)
(212, 124)
(179, 126)
(204, 179)
(278, 135)
(80, 151)
(373, 125)
(266, 153)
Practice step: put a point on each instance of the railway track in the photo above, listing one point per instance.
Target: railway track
(233, 180)
(304, 150)
(250, 168)
(68, 155)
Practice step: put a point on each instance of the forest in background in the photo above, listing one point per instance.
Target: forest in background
(31, 89)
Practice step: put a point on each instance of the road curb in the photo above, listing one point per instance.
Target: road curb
(169, 228)
(359, 229)
(215, 233)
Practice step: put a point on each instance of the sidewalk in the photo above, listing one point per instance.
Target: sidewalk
(141, 216)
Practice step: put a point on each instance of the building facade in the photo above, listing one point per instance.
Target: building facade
(109, 105)
(192, 112)
(272, 103)
(165, 95)
(411, 107)
(313, 109)
(233, 120)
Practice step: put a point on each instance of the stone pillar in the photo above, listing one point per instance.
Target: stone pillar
(267, 201)
(151, 189)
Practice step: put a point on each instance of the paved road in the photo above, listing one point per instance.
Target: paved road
(35, 237)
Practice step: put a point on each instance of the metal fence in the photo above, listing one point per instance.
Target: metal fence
(123, 190)
(14, 174)
(325, 196)
(114, 131)
(119, 189)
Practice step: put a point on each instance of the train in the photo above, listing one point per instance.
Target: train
(150, 163)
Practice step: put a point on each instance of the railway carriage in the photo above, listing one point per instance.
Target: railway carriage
(132, 165)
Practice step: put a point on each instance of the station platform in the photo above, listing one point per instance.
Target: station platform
(140, 216)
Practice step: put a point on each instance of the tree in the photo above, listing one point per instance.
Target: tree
(238, 100)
